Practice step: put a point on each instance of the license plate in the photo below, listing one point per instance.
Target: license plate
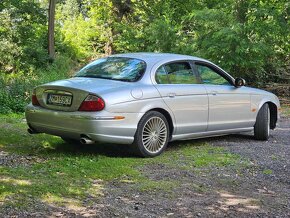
(62, 100)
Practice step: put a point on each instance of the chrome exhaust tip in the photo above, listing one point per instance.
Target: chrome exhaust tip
(86, 141)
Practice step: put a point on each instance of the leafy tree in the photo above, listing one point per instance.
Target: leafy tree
(22, 34)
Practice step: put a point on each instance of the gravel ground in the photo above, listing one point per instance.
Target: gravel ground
(260, 189)
(14, 160)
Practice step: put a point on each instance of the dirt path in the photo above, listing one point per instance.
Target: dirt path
(260, 189)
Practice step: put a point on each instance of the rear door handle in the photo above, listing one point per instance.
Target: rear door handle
(214, 92)
(171, 95)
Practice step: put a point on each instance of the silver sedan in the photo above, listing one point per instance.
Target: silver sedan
(149, 99)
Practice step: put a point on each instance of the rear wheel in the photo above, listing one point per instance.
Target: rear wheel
(262, 125)
(152, 134)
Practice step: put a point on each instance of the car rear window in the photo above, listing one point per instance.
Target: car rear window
(114, 68)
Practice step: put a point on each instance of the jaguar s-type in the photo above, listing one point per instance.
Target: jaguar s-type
(148, 100)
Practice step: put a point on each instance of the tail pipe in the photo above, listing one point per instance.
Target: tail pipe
(86, 141)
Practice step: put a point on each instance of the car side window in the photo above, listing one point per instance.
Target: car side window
(161, 76)
(211, 77)
(176, 73)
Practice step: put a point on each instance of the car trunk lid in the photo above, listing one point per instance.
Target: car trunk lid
(68, 95)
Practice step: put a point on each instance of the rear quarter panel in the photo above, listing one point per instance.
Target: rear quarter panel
(136, 99)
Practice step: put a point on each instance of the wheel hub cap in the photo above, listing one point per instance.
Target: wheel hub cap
(154, 135)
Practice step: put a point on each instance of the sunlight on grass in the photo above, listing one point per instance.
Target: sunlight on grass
(69, 203)
(96, 188)
(21, 182)
(200, 155)
(4, 195)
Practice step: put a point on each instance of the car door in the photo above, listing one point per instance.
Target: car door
(229, 106)
(184, 95)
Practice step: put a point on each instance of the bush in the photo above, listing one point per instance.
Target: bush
(16, 89)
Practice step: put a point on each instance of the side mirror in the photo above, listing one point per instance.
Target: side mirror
(239, 82)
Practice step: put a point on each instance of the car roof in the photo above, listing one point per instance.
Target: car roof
(152, 57)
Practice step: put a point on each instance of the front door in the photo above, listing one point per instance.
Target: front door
(229, 106)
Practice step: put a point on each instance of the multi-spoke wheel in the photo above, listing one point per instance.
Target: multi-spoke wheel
(152, 134)
(262, 125)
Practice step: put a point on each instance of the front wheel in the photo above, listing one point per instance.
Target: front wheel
(152, 134)
(262, 125)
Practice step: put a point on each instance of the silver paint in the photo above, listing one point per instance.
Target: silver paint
(197, 110)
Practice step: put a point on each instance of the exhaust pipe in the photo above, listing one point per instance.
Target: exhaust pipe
(31, 131)
(86, 141)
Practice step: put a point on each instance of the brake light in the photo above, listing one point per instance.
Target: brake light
(34, 100)
(92, 103)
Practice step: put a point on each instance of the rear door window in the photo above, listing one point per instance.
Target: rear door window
(176, 73)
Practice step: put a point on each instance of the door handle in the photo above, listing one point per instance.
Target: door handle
(171, 95)
(214, 92)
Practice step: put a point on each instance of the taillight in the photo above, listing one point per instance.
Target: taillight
(92, 103)
(34, 99)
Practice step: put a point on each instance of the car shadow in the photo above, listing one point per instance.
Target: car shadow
(104, 149)
(233, 138)
(128, 151)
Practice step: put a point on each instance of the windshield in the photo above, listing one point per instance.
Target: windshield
(115, 68)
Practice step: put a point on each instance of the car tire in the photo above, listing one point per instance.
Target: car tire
(152, 134)
(262, 125)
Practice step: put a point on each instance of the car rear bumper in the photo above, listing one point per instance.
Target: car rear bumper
(98, 126)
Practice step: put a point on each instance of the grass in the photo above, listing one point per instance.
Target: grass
(56, 173)
(267, 171)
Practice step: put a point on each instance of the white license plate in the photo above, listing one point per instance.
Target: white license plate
(63, 100)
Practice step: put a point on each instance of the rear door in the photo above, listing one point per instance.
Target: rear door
(184, 95)
(229, 106)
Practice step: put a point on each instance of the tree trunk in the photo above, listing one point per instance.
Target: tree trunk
(51, 17)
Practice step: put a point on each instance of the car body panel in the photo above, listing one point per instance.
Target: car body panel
(229, 107)
(196, 110)
(98, 126)
(189, 104)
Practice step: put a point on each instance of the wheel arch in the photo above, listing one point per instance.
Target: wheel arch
(273, 114)
(168, 118)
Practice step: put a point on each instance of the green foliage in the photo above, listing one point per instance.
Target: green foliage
(16, 89)
(22, 34)
(248, 38)
(13, 97)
